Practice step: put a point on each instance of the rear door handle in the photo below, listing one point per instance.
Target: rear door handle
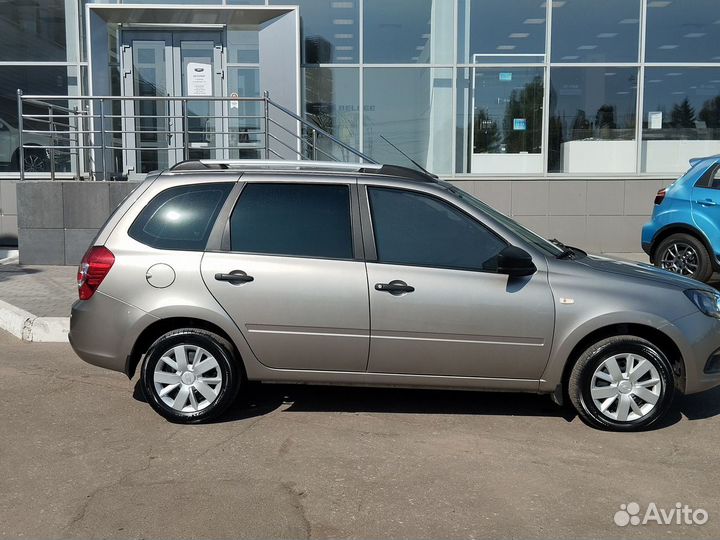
(707, 202)
(395, 287)
(236, 276)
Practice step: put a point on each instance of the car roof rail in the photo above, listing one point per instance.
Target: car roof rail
(250, 164)
(303, 165)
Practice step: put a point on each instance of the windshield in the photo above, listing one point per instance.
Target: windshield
(526, 234)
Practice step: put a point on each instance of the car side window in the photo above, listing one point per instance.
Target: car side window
(180, 217)
(715, 180)
(420, 230)
(303, 220)
(710, 179)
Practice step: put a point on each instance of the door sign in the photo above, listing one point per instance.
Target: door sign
(199, 79)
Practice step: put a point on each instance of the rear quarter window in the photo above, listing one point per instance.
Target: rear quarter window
(180, 217)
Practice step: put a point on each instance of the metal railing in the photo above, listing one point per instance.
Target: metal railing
(109, 137)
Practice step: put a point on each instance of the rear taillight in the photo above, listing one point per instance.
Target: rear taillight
(95, 265)
(660, 195)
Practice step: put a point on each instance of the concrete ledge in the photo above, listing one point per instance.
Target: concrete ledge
(26, 326)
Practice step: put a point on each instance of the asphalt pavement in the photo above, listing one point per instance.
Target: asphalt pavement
(81, 455)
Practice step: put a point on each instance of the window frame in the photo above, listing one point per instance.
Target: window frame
(224, 244)
(369, 227)
(706, 179)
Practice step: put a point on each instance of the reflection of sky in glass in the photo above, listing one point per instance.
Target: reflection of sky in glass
(329, 30)
(667, 88)
(683, 31)
(492, 27)
(583, 100)
(595, 31)
(401, 31)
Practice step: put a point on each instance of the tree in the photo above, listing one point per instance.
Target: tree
(710, 112)
(527, 104)
(683, 115)
(486, 136)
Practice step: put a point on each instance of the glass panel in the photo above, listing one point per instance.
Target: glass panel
(31, 80)
(592, 31)
(683, 31)
(150, 79)
(592, 120)
(412, 108)
(330, 30)
(408, 31)
(418, 230)
(681, 117)
(332, 103)
(243, 46)
(244, 138)
(500, 113)
(180, 217)
(195, 56)
(33, 30)
(488, 27)
(293, 219)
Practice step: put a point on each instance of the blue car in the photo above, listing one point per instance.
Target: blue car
(683, 235)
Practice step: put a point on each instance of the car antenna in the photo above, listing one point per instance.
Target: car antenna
(423, 169)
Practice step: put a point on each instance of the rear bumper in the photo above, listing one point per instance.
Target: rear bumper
(103, 330)
(701, 339)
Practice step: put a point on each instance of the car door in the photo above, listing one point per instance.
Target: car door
(293, 278)
(437, 307)
(706, 205)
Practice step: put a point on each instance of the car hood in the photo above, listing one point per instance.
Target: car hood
(641, 271)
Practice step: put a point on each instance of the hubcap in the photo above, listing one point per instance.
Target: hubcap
(680, 258)
(626, 387)
(187, 378)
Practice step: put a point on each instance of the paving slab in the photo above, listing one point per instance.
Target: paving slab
(44, 291)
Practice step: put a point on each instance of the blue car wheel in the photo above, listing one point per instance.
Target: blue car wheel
(686, 255)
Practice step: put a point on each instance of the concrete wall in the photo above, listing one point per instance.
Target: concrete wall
(8, 213)
(58, 220)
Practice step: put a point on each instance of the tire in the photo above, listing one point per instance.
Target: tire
(36, 160)
(593, 373)
(684, 254)
(189, 396)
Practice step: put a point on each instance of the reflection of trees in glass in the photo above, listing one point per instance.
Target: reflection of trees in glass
(487, 136)
(526, 104)
(710, 112)
(683, 115)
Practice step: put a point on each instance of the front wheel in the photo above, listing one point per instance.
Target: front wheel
(190, 375)
(685, 255)
(622, 383)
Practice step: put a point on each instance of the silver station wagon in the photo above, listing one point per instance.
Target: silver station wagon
(212, 274)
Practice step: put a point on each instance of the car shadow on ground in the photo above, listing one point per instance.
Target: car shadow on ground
(260, 399)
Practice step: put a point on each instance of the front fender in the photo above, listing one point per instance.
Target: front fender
(567, 338)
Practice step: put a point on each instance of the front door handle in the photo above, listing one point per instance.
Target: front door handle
(707, 202)
(395, 287)
(236, 276)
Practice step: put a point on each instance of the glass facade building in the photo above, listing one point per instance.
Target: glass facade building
(467, 88)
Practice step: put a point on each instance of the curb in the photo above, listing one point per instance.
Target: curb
(28, 327)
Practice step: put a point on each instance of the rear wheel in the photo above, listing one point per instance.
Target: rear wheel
(622, 383)
(190, 375)
(34, 160)
(684, 254)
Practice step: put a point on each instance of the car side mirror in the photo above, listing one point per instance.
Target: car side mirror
(515, 262)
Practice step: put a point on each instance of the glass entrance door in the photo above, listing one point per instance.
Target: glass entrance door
(178, 64)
